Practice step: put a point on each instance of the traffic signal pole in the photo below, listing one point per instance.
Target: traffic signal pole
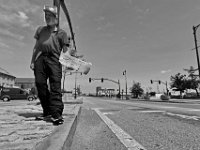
(106, 79)
(159, 81)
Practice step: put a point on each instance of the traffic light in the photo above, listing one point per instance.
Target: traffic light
(159, 81)
(101, 79)
(151, 81)
(90, 79)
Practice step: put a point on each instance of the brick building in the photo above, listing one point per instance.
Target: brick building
(6, 79)
(25, 83)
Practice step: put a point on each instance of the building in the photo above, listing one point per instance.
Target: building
(25, 83)
(105, 92)
(6, 79)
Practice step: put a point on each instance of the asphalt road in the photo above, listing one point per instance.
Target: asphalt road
(154, 125)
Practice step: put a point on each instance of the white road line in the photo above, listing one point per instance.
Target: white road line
(152, 111)
(125, 138)
(194, 110)
(108, 113)
(183, 116)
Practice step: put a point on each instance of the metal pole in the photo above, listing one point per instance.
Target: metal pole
(196, 47)
(75, 85)
(124, 73)
(126, 85)
(64, 81)
(119, 89)
(167, 89)
(122, 93)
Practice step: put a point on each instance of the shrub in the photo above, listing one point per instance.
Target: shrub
(164, 97)
(146, 96)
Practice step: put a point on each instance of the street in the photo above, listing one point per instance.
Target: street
(148, 125)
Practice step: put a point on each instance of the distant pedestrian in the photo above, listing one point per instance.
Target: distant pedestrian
(50, 41)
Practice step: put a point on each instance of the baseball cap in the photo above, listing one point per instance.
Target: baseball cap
(51, 9)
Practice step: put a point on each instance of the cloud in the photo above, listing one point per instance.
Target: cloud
(166, 71)
(17, 12)
(103, 23)
(6, 51)
(23, 19)
(130, 2)
(141, 13)
(19, 5)
(4, 48)
(3, 45)
(14, 17)
(105, 26)
(11, 34)
(19, 18)
(100, 18)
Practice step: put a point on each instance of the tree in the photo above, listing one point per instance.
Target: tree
(179, 82)
(193, 84)
(136, 89)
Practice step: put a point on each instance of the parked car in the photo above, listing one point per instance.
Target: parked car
(11, 93)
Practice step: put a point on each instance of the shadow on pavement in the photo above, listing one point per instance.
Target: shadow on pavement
(29, 115)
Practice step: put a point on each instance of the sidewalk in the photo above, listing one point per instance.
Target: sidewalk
(20, 131)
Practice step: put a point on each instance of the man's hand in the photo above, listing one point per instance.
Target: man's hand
(72, 52)
(32, 66)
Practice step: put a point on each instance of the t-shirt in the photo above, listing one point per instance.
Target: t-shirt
(50, 43)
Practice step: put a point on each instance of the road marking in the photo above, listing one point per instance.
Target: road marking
(183, 116)
(194, 110)
(167, 107)
(152, 111)
(109, 113)
(125, 138)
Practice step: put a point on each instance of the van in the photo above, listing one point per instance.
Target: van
(11, 93)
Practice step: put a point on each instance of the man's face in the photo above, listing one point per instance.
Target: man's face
(50, 18)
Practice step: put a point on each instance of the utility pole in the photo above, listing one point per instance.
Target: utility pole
(196, 46)
(124, 73)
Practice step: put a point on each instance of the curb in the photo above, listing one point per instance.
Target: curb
(61, 138)
(74, 102)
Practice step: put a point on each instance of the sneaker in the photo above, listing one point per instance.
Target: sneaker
(57, 121)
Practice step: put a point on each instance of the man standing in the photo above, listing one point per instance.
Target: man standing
(50, 41)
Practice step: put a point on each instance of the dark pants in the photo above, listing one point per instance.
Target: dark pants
(51, 99)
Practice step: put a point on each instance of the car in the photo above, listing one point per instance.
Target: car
(11, 93)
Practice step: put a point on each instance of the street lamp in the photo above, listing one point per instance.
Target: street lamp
(196, 46)
(75, 94)
(124, 73)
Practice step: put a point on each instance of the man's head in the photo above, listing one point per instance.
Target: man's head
(51, 15)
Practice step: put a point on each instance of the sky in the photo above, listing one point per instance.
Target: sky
(150, 39)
